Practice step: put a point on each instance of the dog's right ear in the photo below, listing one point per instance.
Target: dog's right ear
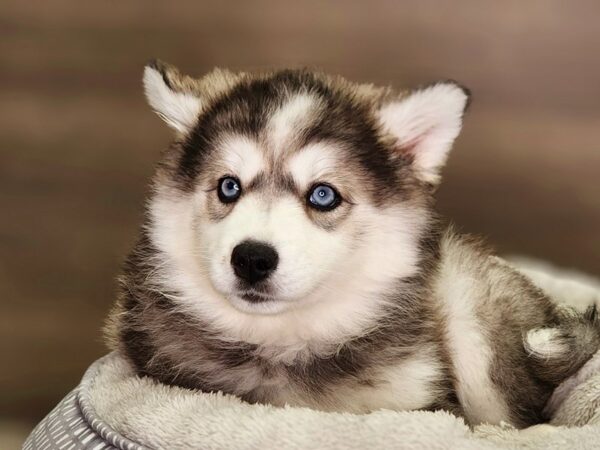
(425, 123)
(168, 96)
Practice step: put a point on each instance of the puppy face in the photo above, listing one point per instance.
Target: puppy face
(293, 191)
(289, 228)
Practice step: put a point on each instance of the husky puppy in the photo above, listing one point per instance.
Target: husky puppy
(292, 255)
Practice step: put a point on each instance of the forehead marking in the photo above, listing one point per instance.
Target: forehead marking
(289, 119)
(243, 157)
(312, 162)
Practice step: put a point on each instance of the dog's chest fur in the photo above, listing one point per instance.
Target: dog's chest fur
(379, 370)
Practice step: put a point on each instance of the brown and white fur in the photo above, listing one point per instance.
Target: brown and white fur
(374, 303)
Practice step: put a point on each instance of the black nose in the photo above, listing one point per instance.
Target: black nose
(253, 261)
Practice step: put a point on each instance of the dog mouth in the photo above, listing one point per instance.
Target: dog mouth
(253, 296)
(254, 302)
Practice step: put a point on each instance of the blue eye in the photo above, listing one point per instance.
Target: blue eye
(323, 197)
(229, 189)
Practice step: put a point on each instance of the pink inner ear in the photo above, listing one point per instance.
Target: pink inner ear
(425, 124)
(410, 145)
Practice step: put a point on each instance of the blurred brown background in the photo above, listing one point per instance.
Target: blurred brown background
(78, 142)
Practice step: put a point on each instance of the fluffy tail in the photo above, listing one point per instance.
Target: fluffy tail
(558, 352)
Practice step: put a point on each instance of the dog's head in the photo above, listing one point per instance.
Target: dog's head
(293, 191)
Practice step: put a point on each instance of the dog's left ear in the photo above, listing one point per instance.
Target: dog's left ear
(169, 94)
(425, 124)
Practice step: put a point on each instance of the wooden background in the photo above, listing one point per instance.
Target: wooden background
(78, 142)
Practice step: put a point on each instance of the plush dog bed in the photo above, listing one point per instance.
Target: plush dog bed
(113, 408)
